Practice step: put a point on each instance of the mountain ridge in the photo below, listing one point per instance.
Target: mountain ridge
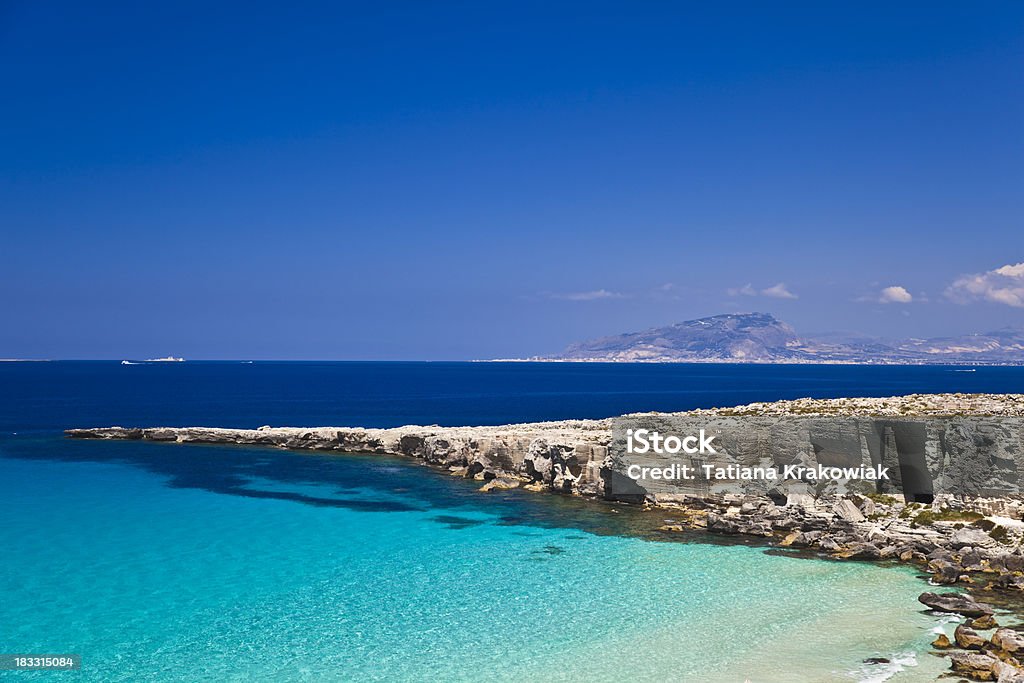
(762, 338)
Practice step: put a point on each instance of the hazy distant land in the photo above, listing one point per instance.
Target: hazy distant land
(761, 338)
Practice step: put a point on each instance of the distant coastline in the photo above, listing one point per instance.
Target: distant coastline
(747, 361)
(762, 338)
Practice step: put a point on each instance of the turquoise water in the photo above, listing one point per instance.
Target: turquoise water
(160, 562)
(164, 562)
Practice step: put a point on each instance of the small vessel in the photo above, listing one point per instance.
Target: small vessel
(167, 359)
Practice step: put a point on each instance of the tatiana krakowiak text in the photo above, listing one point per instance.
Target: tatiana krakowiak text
(642, 441)
(733, 472)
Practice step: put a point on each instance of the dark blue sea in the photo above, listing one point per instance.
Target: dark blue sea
(166, 562)
(49, 396)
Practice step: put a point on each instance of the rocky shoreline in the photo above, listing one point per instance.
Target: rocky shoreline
(975, 544)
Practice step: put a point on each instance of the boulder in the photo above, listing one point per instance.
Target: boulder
(845, 510)
(968, 639)
(860, 551)
(804, 500)
(828, 544)
(1009, 641)
(957, 603)
(500, 483)
(791, 538)
(1009, 582)
(944, 571)
(887, 552)
(970, 560)
(974, 665)
(976, 538)
(810, 537)
(1013, 562)
(984, 623)
(721, 525)
(1008, 673)
(867, 507)
(942, 642)
(1002, 563)
(756, 529)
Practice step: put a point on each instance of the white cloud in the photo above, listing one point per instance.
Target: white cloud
(1004, 285)
(1016, 270)
(895, 295)
(593, 295)
(779, 291)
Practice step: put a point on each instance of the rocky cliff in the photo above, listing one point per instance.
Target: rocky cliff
(563, 456)
(572, 456)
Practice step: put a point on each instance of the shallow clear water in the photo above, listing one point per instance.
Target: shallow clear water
(165, 562)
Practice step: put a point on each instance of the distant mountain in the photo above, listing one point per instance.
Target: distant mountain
(750, 336)
(761, 338)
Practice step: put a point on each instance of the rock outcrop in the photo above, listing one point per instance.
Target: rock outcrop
(956, 603)
(563, 456)
(974, 665)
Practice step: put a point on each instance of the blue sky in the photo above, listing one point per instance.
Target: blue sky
(469, 180)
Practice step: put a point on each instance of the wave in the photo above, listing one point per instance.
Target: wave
(883, 671)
